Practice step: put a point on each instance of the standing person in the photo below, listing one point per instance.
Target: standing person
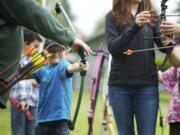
(25, 92)
(55, 92)
(170, 78)
(169, 28)
(133, 82)
(27, 13)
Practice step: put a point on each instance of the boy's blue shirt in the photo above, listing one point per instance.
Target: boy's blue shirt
(55, 94)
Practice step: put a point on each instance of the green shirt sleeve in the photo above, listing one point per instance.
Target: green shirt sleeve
(31, 15)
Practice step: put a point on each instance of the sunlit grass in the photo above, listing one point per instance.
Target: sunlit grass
(82, 120)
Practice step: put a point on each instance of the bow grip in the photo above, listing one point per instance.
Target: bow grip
(82, 55)
(83, 60)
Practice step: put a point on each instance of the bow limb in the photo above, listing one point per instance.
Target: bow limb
(59, 9)
(95, 87)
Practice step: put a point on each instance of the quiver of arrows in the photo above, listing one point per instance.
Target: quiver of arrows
(37, 61)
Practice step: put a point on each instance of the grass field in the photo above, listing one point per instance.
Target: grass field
(82, 121)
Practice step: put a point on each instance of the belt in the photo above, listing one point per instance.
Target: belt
(53, 123)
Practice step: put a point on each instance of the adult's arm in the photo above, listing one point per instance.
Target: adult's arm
(30, 14)
(117, 38)
(175, 57)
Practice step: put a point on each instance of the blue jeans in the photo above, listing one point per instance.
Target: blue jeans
(20, 125)
(141, 101)
(53, 128)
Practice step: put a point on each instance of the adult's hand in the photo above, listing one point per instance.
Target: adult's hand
(143, 17)
(170, 28)
(79, 43)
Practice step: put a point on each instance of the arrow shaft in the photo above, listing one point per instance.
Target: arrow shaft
(156, 48)
(166, 15)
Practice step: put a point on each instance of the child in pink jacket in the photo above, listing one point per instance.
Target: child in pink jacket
(171, 80)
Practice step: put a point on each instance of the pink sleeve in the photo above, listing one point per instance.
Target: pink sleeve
(170, 79)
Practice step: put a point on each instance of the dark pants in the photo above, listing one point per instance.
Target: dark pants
(53, 128)
(139, 101)
(174, 128)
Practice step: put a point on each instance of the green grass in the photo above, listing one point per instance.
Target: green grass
(82, 120)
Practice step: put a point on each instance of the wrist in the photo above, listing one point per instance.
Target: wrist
(177, 31)
(171, 43)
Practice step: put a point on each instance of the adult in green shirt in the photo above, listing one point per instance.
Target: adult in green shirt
(16, 14)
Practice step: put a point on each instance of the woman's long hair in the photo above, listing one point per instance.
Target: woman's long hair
(121, 10)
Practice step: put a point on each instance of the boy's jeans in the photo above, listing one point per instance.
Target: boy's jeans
(139, 100)
(53, 128)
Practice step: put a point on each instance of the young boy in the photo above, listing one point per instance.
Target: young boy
(25, 92)
(55, 93)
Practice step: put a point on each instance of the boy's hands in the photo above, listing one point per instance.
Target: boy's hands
(77, 67)
(83, 66)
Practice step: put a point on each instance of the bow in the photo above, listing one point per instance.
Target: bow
(163, 18)
(59, 9)
(107, 127)
(100, 56)
(172, 43)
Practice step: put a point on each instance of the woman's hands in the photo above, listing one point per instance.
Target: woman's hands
(168, 30)
(143, 17)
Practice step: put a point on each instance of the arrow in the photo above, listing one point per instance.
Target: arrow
(130, 52)
(28, 52)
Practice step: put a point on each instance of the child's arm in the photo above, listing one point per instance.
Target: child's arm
(175, 57)
(160, 76)
(35, 84)
(168, 78)
(77, 67)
